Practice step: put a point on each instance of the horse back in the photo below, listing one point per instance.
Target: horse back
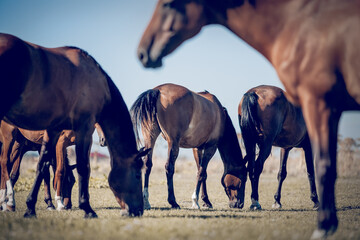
(186, 117)
(280, 120)
(57, 85)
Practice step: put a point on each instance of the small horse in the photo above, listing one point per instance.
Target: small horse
(16, 142)
(65, 88)
(313, 46)
(190, 120)
(268, 119)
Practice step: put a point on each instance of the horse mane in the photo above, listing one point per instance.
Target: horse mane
(228, 145)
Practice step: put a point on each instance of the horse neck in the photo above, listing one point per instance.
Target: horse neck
(116, 124)
(229, 148)
(258, 22)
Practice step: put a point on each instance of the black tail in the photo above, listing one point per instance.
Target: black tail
(143, 112)
(249, 122)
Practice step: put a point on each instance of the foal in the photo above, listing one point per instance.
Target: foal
(190, 120)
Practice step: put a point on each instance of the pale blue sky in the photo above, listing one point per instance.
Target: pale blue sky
(215, 60)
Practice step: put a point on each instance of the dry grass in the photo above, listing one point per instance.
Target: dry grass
(296, 220)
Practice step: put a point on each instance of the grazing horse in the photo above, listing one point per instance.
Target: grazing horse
(313, 46)
(65, 88)
(16, 142)
(268, 119)
(190, 120)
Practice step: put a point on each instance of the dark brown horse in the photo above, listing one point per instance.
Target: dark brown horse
(65, 88)
(16, 142)
(268, 119)
(313, 46)
(190, 120)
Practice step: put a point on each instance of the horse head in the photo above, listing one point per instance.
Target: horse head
(173, 22)
(126, 183)
(234, 185)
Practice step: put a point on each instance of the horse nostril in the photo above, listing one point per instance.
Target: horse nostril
(142, 56)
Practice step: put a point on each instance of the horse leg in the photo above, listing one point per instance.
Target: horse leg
(309, 160)
(322, 125)
(150, 137)
(47, 192)
(202, 160)
(265, 149)
(284, 153)
(83, 140)
(173, 152)
(60, 169)
(44, 159)
(6, 189)
(195, 197)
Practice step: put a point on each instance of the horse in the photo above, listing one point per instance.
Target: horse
(267, 119)
(313, 46)
(17, 142)
(66, 89)
(190, 120)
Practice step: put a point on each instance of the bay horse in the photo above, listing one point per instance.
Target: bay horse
(16, 142)
(313, 46)
(267, 119)
(65, 88)
(190, 120)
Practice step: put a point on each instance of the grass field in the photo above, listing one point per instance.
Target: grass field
(296, 220)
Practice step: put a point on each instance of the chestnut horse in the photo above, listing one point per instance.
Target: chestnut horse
(65, 88)
(313, 46)
(190, 120)
(16, 142)
(268, 119)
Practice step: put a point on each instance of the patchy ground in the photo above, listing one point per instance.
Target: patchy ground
(296, 220)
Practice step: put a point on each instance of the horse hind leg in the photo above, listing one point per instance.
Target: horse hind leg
(281, 176)
(202, 159)
(265, 149)
(173, 153)
(148, 166)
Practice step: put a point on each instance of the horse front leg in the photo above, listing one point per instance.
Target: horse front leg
(322, 125)
(284, 153)
(309, 160)
(47, 187)
(173, 152)
(83, 143)
(265, 149)
(60, 169)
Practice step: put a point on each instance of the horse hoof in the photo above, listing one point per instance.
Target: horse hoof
(147, 206)
(255, 207)
(316, 206)
(277, 205)
(10, 208)
(91, 215)
(175, 206)
(207, 205)
(67, 207)
(30, 214)
(195, 206)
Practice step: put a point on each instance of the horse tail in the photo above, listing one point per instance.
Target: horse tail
(143, 112)
(249, 121)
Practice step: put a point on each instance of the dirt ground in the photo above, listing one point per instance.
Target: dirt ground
(296, 220)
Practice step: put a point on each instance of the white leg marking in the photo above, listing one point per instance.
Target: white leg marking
(59, 204)
(2, 199)
(10, 195)
(195, 201)
(147, 205)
